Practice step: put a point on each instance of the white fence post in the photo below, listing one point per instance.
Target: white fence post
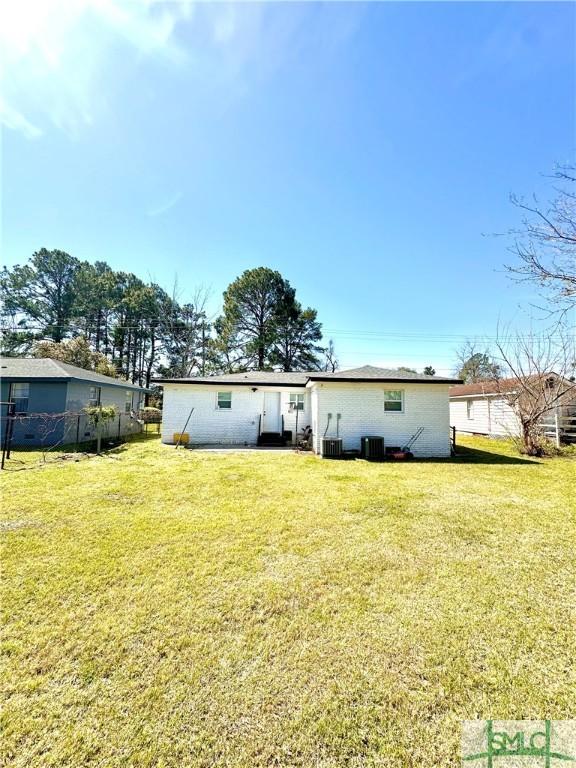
(99, 430)
(557, 428)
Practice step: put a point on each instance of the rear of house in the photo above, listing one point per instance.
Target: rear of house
(239, 409)
(50, 399)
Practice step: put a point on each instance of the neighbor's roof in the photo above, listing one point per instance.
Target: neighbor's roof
(46, 369)
(479, 388)
(368, 373)
(498, 387)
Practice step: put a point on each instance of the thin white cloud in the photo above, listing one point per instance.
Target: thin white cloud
(11, 118)
(63, 62)
(225, 24)
(55, 55)
(165, 206)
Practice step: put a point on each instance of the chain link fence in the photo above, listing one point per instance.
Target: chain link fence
(29, 440)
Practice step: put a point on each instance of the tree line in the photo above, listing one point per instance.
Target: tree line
(58, 306)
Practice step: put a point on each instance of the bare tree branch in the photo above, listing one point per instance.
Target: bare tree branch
(541, 379)
(545, 245)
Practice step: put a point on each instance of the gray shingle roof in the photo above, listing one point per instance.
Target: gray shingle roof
(44, 368)
(251, 378)
(372, 373)
(366, 373)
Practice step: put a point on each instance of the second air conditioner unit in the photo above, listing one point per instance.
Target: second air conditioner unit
(331, 447)
(372, 448)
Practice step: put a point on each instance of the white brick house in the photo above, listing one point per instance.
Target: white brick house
(236, 409)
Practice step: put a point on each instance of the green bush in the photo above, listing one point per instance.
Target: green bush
(100, 413)
(150, 415)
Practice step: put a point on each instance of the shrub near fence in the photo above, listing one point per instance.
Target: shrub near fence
(149, 416)
(49, 435)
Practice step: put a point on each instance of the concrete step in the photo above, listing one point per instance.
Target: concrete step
(271, 438)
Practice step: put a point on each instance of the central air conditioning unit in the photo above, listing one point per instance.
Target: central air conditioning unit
(331, 447)
(372, 448)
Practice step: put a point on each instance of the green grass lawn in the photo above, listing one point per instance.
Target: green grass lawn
(177, 608)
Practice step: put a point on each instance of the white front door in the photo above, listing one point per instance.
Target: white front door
(271, 421)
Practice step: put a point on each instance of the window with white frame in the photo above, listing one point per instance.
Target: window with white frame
(224, 400)
(296, 401)
(19, 395)
(393, 400)
(94, 397)
(470, 409)
(128, 402)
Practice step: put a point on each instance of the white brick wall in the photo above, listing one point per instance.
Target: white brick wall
(361, 406)
(362, 409)
(304, 417)
(210, 425)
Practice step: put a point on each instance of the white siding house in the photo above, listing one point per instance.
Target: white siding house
(479, 409)
(237, 409)
(483, 414)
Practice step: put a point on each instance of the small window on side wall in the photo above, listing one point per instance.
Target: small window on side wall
(393, 400)
(19, 395)
(296, 402)
(128, 403)
(94, 397)
(224, 401)
(470, 409)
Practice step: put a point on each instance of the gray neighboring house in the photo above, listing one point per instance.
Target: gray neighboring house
(50, 398)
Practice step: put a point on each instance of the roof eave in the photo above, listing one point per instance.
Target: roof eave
(24, 377)
(383, 380)
(67, 379)
(122, 384)
(229, 383)
(309, 380)
(480, 394)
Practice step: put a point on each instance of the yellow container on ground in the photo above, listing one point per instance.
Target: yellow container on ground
(182, 437)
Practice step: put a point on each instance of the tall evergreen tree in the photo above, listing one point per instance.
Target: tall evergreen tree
(98, 296)
(43, 291)
(252, 305)
(186, 333)
(141, 330)
(264, 327)
(296, 346)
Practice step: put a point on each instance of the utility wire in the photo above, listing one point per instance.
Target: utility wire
(348, 335)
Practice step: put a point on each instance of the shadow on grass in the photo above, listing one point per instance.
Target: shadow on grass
(115, 447)
(33, 457)
(465, 455)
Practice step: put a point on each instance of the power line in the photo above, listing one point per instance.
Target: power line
(417, 335)
(348, 335)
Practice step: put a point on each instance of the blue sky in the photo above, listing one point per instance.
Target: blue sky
(367, 151)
